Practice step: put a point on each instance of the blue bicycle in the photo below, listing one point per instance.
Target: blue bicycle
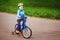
(26, 32)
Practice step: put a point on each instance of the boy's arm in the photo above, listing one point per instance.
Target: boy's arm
(25, 14)
(18, 14)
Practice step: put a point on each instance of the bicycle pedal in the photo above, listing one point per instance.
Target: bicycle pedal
(12, 33)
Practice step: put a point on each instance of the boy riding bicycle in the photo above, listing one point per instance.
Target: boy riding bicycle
(20, 16)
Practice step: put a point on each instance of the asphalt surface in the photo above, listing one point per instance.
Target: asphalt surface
(42, 29)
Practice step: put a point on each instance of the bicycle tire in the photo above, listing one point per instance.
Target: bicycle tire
(29, 35)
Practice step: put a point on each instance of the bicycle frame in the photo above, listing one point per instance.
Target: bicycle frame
(21, 23)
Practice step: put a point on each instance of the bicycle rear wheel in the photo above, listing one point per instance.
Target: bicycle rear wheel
(16, 25)
(27, 32)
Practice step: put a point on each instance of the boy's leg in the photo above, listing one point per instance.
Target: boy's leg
(18, 28)
(24, 26)
(24, 23)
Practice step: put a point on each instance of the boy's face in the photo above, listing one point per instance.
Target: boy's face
(21, 7)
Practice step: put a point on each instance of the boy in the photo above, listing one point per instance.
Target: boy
(20, 16)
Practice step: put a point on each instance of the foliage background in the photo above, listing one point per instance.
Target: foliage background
(36, 8)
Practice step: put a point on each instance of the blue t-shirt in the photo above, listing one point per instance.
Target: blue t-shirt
(21, 13)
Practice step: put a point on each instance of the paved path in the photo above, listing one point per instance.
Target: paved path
(43, 29)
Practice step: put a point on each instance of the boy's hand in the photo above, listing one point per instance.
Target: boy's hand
(19, 16)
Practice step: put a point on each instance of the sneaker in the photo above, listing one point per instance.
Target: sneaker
(17, 32)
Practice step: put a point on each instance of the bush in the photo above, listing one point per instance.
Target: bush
(37, 8)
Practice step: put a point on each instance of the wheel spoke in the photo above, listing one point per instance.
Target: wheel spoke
(27, 33)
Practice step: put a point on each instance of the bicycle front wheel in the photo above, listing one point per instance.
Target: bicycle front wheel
(27, 32)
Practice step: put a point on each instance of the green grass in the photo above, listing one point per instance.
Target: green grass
(43, 12)
(36, 8)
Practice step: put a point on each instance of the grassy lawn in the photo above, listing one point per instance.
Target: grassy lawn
(33, 10)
